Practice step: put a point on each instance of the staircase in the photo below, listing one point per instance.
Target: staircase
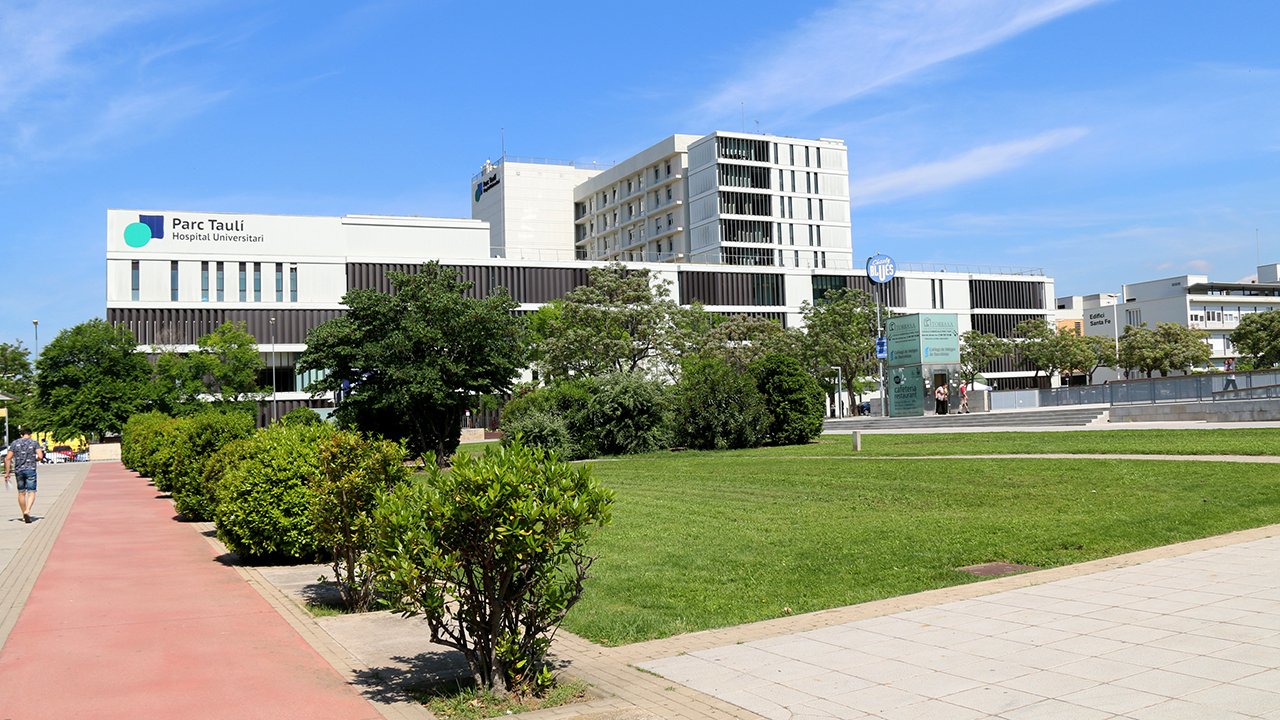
(1050, 417)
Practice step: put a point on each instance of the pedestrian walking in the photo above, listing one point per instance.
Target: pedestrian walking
(1230, 366)
(21, 460)
(940, 399)
(964, 397)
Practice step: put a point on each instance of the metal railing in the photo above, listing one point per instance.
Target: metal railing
(971, 269)
(1212, 387)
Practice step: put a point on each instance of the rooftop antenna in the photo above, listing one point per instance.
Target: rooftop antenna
(742, 106)
(502, 140)
(1258, 244)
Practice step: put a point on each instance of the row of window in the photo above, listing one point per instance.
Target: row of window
(213, 284)
(632, 185)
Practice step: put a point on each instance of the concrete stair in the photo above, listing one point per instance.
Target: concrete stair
(1050, 417)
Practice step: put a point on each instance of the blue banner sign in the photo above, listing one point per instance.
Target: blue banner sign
(881, 268)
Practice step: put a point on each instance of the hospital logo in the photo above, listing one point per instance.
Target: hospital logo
(148, 228)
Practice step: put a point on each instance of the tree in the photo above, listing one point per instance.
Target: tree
(1099, 352)
(493, 555)
(1138, 349)
(413, 359)
(1257, 338)
(230, 362)
(977, 351)
(1182, 347)
(1039, 345)
(717, 407)
(840, 332)
(620, 321)
(90, 379)
(741, 340)
(792, 398)
(17, 382)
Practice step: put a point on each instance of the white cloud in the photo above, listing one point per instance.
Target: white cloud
(971, 165)
(857, 46)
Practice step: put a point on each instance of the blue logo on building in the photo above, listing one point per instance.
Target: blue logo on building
(479, 191)
(881, 268)
(148, 228)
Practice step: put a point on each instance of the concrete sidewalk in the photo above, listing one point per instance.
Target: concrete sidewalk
(133, 616)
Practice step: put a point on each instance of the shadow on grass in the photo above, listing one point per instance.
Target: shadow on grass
(414, 678)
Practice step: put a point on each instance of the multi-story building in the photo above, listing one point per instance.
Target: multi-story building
(1192, 301)
(1073, 308)
(174, 276)
(724, 198)
(528, 205)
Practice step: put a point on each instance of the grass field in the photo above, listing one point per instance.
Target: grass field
(703, 540)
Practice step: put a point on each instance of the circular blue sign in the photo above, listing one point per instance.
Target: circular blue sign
(880, 269)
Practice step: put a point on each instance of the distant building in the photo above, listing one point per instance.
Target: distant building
(1192, 301)
(1072, 309)
(725, 198)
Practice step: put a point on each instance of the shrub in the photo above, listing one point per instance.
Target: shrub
(216, 467)
(264, 501)
(301, 416)
(141, 437)
(792, 397)
(625, 414)
(195, 440)
(355, 474)
(716, 407)
(492, 554)
(543, 429)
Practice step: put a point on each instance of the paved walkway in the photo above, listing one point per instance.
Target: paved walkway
(134, 617)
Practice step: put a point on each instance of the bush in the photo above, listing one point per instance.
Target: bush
(196, 439)
(615, 414)
(355, 474)
(301, 416)
(792, 397)
(543, 429)
(264, 501)
(626, 414)
(140, 439)
(492, 554)
(216, 467)
(716, 407)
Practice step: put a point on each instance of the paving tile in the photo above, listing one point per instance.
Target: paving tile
(827, 708)
(1214, 668)
(877, 699)
(1163, 682)
(1134, 634)
(991, 671)
(1147, 656)
(885, 671)
(1048, 683)
(1113, 699)
(1089, 645)
(932, 710)
(1194, 644)
(1183, 710)
(992, 699)
(829, 684)
(991, 647)
(1055, 710)
(1043, 658)
(1238, 698)
(936, 684)
(1260, 655)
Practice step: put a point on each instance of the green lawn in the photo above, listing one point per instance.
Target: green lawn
(702, 540)
(1243, 441)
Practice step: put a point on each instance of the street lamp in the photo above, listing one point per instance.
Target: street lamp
(273, 369)
(839, 390)
(35, 325)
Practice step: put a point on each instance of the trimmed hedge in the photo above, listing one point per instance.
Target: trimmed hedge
(717, 407)
(142, 439)
(264, 500)
(792, 397)
(616, 414)
(197, 439)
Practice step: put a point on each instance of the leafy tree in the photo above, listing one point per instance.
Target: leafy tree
(230, 364)
(1099, 352)
(977, 351)
(1257, 338)
(493, 555)
(413, 359)
(626, 414)
(717, 407)
(1040, 346)
(792, 398)
(1182, 347)
(177, 384)
(355, 473)
(17, 381)
(621, 321)
(301, 416)
(90, 379)
(841, 332)
(1138, 349)
(741, 340)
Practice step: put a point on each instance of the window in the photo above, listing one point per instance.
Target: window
(655, 173)
(293, 283)
(668, 193)
(221, 284)
(257, 282)
(173, 280)
(657, 226)
(135, 279)
(204, 281)
(670, 220)
(628, 187)
(279, 282)
(244, 283)
(668, 168)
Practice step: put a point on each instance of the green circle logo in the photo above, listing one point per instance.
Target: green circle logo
(137, 234)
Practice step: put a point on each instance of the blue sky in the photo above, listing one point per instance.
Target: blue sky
(1105, 141)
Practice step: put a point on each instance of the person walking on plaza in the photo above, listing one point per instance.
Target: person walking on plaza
(940, 400)
(21, 460)
(964, 397)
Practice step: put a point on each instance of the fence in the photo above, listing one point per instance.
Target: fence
(1188, 388)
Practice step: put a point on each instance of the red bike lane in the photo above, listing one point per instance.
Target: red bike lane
(133, 617)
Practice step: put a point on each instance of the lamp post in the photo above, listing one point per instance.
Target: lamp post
(35, 325)
(839, 390)
(273, 369)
